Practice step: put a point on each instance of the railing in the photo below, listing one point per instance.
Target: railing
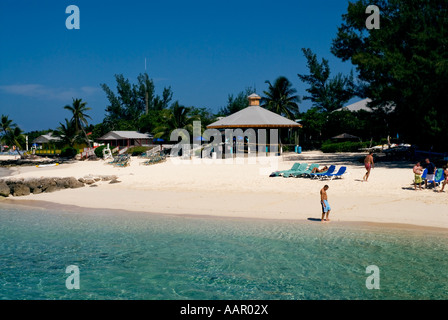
(123, 150)
(88, 152)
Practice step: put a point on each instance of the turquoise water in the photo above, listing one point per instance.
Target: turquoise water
(141, 256)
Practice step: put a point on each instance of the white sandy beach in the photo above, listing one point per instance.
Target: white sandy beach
(239, 190)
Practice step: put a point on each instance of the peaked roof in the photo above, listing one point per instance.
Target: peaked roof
(254, 117)
(117, 135)
(345, 136)
(357, 106)
(46, 138)
(362, 105)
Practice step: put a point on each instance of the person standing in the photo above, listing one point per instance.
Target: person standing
(324, 203)
(368, 163)
(418, 170)
(431, 170)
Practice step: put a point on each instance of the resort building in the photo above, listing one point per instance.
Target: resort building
(46, 140)
(126, 139)
(253, 117)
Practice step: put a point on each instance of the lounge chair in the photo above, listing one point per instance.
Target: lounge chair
(306, 172)
(425, 172)
(320, 175)
(339, 174)
(294, 167)
(301, 168)
(438, 177)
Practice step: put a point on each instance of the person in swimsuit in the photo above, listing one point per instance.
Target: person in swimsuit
(445, 181)
(418, 170)
(324, 203)
(317, 170)
(368, 163)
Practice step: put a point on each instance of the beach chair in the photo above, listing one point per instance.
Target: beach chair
(294, 167)
(338, 175)
(308, 171)
(123, 160)
(288, 173)
(425, 172)
(438, 177)
(330, 170)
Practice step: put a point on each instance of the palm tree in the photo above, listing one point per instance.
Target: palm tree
(79, 118)
(281, 99)
(12, 134)
(67, 133)
(5, 123)
(177, 117)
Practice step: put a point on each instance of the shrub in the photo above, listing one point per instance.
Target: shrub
(137, 151)
(344, 146)
(99, 151)
(69, 152)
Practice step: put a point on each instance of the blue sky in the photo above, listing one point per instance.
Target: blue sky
(204, 50)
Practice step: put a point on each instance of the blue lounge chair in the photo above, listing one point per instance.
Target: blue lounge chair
(339, 174)
(425, 172)
(438, 177)
(320, 175)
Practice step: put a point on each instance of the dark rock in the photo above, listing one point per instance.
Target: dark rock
(61, 183)
(89, 181)
(114, 181)
(4, 189)
(51, 189)
(19, 189)
(37, 191)
(109, 178)
(74, 184)
(22, 188)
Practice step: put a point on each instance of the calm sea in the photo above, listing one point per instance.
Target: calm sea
(142, 256)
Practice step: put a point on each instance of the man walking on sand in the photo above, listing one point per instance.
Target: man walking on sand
(324, 203)
(368, 163)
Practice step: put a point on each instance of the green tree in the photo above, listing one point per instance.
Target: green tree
(236, 103)
(404, 62)
(67, 133)
(327, 94)
(6, 123)
(314, 121)
(79, 117)
(281, 99)
(12, 134)
(176, 117)
(132, 101)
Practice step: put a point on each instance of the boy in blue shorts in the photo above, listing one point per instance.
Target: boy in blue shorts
(324, 202)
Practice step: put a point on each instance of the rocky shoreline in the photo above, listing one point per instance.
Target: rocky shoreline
(22, 187)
